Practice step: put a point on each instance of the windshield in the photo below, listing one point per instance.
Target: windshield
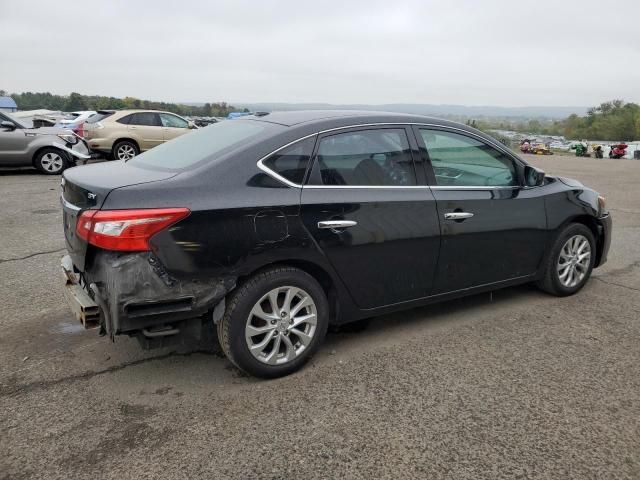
(21, 123)
(203, 144)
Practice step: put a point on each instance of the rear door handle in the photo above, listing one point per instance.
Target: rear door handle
(457, 215)
(337, 224)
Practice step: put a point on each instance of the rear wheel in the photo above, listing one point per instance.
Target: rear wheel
(274, 322)
(125, 150)
(50, 161)
(570, 262)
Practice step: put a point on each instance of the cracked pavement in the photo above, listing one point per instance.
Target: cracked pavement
(513, 384)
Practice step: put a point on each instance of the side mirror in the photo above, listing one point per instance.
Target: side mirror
(7, 125)
(533, 177)
(192, 125)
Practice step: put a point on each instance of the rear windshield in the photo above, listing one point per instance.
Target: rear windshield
(206, 143)
(99, 116)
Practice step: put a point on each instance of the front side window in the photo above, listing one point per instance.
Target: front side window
(173, 121)
(379, 157)
(149, 119)
(462, 161)
(291, 162)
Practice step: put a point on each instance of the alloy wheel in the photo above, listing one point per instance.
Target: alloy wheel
(281, 325)
(126, 152)
(52, 162)
(573, 261)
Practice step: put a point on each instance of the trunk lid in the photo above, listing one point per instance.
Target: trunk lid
(87, 187)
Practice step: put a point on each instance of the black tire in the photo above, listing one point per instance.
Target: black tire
(550, 281)
(51, 161)
(122, 148)
(231, 329)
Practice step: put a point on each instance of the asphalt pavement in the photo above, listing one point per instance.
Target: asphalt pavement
(514, 384)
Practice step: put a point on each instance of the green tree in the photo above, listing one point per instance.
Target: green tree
(75, 102)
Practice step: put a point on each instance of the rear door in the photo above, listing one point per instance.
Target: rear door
(492, 228)
(366, 209)
(146, 129)
(173, 126)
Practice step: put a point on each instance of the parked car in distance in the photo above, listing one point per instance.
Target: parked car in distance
(274, 226)
(49, 149)
(76, 117)
(123, 134)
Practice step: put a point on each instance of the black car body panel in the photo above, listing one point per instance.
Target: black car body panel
(243, 218)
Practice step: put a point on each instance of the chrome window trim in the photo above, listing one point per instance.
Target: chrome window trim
(260, 164)
(408, 187)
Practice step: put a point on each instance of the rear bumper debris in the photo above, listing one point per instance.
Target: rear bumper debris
(81, 304)
(132, 293)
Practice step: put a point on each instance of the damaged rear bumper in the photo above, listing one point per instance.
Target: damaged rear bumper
(131, 293)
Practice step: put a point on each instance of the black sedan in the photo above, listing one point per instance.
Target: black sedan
(273, 226)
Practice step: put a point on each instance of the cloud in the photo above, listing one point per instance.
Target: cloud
(459, 52)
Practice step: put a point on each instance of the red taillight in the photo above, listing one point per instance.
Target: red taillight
(79, 130)
(126, 230)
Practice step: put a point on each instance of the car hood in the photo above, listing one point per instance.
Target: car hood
(46, 131)
(570, 182)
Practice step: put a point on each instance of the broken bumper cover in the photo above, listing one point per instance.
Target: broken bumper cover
(605, 226)
(83, 307)
(133, 293)
(79, 151)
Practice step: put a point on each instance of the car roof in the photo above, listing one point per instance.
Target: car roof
(139, 110)
(300, 117)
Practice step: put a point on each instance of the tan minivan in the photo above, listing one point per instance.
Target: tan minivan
(123, 134)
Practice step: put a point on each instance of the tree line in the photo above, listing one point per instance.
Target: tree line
(76, 101)
(613, 120)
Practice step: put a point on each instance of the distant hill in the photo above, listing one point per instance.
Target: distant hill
(454, 111)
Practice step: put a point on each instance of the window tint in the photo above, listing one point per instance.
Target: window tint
(150, 119)
(462, 161)
(125, 120)
(291, 162)
(367, 157)
(205, 144)
(173, 121)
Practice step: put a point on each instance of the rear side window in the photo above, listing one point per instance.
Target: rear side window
(379, 157)
(205, 144)
(125, 120)
(459, 161)
(149, 119)
(99, 116)
(291, 162)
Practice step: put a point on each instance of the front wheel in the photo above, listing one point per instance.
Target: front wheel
(50, 161)
(570, 262)
(274, 322)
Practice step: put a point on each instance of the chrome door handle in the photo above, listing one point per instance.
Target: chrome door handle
(336, 224)
(457, 215)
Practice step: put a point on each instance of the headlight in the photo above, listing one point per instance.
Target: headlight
(69, 138)
(602, 202)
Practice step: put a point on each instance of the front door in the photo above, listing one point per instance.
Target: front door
(13, 146)
(365, 210)
(492, 228)
(173, 126)
(146, 129)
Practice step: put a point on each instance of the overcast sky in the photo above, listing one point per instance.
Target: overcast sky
(485, 52)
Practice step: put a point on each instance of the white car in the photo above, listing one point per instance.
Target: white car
(76, 117)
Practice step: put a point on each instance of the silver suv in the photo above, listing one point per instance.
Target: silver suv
(49, 149)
